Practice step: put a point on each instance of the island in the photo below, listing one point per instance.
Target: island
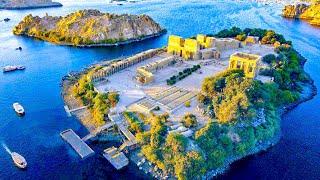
(190, 109)
(309, 13)
(28, 4)
(89, 28)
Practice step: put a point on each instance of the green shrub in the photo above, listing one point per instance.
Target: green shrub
(189, 120)
(187, 103)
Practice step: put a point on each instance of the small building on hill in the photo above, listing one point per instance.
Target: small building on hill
(247, 62)
(251, 40)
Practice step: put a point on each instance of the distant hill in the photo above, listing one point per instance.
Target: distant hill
(89, 28)
(27, 4)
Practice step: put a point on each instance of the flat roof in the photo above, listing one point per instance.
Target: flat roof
(117, 159)
(246, 55)
(77, 143)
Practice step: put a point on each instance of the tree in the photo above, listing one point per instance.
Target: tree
(241, 37)
(189, 120)
(176, 142)
(113, 98)
(269, 58)
(192, 166)
(143, 138)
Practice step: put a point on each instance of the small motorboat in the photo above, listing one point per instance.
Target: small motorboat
(19, 160)
(18, 108)
(19, 48)
(13, 68)
(6, 19)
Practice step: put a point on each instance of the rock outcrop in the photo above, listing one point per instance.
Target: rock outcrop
(27, 4)
(294, 11)
(312, 15)
(89, 28)
(302, 11)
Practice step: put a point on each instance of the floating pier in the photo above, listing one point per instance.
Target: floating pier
(116, 158)
(77, 143)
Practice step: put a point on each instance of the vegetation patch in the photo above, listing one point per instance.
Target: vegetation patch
(135, 125)
(98, 103)
(169, 151)
(183, 74)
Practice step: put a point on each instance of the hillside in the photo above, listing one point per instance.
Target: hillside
(89, 27)
(301, 11)
(27, 4)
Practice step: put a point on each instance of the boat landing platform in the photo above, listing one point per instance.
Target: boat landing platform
(77, 143)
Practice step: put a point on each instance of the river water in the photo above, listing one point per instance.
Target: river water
(36, 136)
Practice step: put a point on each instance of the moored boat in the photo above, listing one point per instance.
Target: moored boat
(13, 68)
(18, 108)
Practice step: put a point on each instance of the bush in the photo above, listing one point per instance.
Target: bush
(241, 37)
(187, 103)
(266, 72)
(189, 120)
(181, 75)
(135, 125)
(269, 58)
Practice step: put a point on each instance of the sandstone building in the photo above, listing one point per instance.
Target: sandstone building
(247, 62)
(193, 49)
(145, 73)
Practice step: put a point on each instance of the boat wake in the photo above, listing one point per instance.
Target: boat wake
(6, 148)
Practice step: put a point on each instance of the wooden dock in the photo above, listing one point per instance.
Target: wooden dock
(77, 143)
(116, 158)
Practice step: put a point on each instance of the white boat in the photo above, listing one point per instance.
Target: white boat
(18, 108)
(19, 160)
(13, 68)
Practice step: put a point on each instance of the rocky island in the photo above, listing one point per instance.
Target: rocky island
(27, 4)
(309, 13)
(89, 28)
(191, 109)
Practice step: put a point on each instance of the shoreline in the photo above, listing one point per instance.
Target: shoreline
(302, 19)
(52, 5)
(68, 81)
(129, 41)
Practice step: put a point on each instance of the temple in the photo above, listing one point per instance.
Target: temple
(120, 65)
(193, 49)
(145, 73)
(247, 62)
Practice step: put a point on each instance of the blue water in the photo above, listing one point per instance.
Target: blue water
(36, 135)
